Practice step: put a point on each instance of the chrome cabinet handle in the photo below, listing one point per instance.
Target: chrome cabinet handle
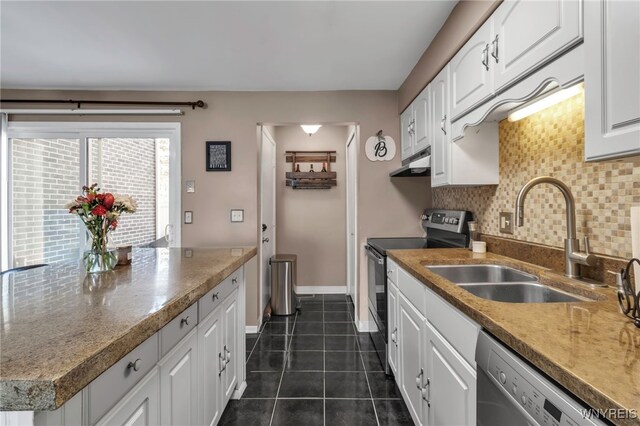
(228, 356)
(134, 365)
(426, 391)
(265, 240)
(389, 272)
(234, 280)
(419, 380)
(485, 57)
(221, 360)
(216, 295)
(184, 321)
(394, 336)
(494, 48)
(442, 124)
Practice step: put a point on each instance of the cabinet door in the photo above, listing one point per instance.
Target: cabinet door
(230, 346)
(139, 407)
(179, 383)
(411, 347)
(421, 117)
(472, 72)
(450, 395)
(612, 86)
(528, 34)
(440, 149)
(211, 365)
(406, 132)
(392, 344)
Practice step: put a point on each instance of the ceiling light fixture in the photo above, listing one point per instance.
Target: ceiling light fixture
(545, 102)
(310, 129)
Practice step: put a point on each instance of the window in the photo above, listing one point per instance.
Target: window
(48, 163)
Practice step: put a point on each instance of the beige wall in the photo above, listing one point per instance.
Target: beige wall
(385, 207)
(551, 142)
(463, 21)
(312, 223)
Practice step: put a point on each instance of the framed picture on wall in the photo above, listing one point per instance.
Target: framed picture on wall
(219, 156)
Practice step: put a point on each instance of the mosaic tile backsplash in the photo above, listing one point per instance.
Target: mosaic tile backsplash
(551, 142)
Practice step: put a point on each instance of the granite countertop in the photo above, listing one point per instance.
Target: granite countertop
(61, 328)
(588, 347)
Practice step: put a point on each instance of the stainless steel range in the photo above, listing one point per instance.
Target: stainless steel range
(444, 228)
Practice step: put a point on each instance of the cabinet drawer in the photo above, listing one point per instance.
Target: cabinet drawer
(113, 384)
(392, 271)
(179, 327)
(212, 299)
(460, 331)
(413, 290)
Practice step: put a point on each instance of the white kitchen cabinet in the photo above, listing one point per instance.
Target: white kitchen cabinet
(179, 383)
(230, 346)
(411, 329)
(611, 79)
(439, 118)
(139, 407)
(392, 312)
(450, 384)
(212, 363)
(528, 34)
(471, 72)
(406, 133)
(421, 121)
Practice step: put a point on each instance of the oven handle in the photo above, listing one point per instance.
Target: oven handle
(374, 255)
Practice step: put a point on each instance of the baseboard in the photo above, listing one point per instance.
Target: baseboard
(251, 329)
(328, 289)
(365, 326)
(237, 394)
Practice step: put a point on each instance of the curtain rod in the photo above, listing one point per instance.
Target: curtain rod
(193, 105)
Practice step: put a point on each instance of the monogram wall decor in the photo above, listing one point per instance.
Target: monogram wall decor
(380, 148)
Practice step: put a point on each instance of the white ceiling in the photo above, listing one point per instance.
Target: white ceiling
(230, 45)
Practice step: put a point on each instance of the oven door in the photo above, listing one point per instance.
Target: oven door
(377, 283)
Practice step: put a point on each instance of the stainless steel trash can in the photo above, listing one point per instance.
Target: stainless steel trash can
(283, 280)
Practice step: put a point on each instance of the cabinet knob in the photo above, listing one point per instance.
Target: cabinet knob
(234, 280)
(216, 295)
(184, 321)
(134, 365)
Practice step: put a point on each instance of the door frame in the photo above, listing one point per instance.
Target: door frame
(82, 131)
(264, 133)
(352, 190)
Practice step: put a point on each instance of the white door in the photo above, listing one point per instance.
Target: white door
(530, 33)
(612, 85)
(392, 344)
(411, 327)
(406, 132)
(352, 210)
(440, 149)
(472, 72)
(230, 346)
(211, 367)
(179, 383)
(422, 134)
(267, 213)
(451, 384)
(140, 407)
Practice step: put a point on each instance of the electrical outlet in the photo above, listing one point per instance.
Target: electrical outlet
(506, 222)
(237, 215)
(188, 217)
(191, 186)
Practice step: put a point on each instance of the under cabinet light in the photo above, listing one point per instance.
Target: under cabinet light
(545, 102)
(310, 128)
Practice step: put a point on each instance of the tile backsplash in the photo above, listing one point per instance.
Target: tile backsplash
(551, 142)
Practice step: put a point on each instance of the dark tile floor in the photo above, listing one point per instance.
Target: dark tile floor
(314, 368)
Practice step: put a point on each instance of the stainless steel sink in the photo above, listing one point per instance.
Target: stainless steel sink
(461, 274)
(519, 292)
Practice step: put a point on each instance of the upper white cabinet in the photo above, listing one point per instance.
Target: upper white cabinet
(527, 34)
(414, 125)
(471, 72)
(440, 167)
(612, 79)
(406, 133)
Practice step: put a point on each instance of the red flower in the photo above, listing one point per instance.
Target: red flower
(91, 197)
(108, 200)
(99, 210)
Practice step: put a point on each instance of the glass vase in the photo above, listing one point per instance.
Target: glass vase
(99, 255)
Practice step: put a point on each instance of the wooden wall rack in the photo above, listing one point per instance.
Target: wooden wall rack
(311, 180)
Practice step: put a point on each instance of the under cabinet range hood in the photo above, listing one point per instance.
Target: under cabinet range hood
(417, 165)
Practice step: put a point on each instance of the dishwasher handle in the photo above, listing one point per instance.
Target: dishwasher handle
(374, 255)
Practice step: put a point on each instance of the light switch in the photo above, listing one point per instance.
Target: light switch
(237, 215)
(188, 217)
(191, 186)
(506, 222)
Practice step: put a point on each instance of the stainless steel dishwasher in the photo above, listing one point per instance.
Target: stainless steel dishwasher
(511, 392)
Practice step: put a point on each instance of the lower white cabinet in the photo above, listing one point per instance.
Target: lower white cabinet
(140, 407)
(392, 313)
(450, 394)
(410, 361)
(230, 346)
(179, 383)
(212, 364)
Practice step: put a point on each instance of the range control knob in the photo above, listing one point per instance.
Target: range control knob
(524, 399)
(503, 377)
(515, 390)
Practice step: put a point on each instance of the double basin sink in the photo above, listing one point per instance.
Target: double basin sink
(502, 284)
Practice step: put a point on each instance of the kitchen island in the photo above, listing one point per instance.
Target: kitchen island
(61, 329)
